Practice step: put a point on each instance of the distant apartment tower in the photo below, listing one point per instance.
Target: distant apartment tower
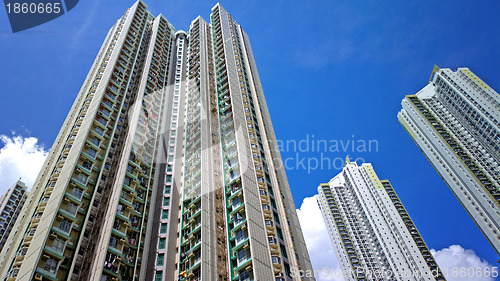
(11, 204)
(373, 236)
(166, 167)
(454, 120)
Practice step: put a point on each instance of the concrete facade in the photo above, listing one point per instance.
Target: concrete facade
(11, 204)
(166, 167)
(373, 236)
(455, 121)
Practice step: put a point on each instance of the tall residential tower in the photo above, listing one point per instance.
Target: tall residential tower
(455, 121)
(166, 167)
(372, 234)
(11, 204)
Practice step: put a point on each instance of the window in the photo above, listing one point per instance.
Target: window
(159, 261)
(77, 192)
(130, 169)
(119, 210)
(242, 256)
(14, 272)
(87, 165)
(59, 245)
(117, 225)
(236, 202)
(91, 152)
(276, 218)
(273, 203)
(271, 240)
(102, 121)
(269, 223)
(166, 201)
(108, 103)
(82, 178)
(164, 214)
(240, 236)
(163, 228)
(22, 252)
(99, 131)
(169, 179)
(31, 232)
(276, 259)
(65, 225)
(159, 276)
(95, 141)
(167, 189)
(244, 276)
(283, 251)
(106, 112)
(71, 209)
(280, 233)
(161, 243)
(113, 242)
(51, 265)
(238, 218)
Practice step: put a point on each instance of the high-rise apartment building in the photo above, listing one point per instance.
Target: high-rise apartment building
(166, 167)
(455, 121)
(11, 204)
(372, 234)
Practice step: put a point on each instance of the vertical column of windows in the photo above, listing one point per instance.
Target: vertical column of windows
(170, 141)
(190, 247)
(239, 249)
(412, 229)
(124, 252)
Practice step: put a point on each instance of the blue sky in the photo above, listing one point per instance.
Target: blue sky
(331, 70)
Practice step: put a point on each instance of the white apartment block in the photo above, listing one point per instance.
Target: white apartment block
(455, 121)
(11, 204)
(373, 236)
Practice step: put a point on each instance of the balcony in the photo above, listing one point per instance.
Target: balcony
(51, 275)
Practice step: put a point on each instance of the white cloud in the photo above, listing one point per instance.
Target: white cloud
(455, 258)
(20, 158)
(318, 242)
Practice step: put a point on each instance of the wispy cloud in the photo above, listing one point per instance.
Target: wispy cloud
(79, 34)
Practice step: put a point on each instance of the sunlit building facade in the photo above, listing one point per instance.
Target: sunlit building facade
(455, 121)
(373, 235)
(11, 204)
(166, 167)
